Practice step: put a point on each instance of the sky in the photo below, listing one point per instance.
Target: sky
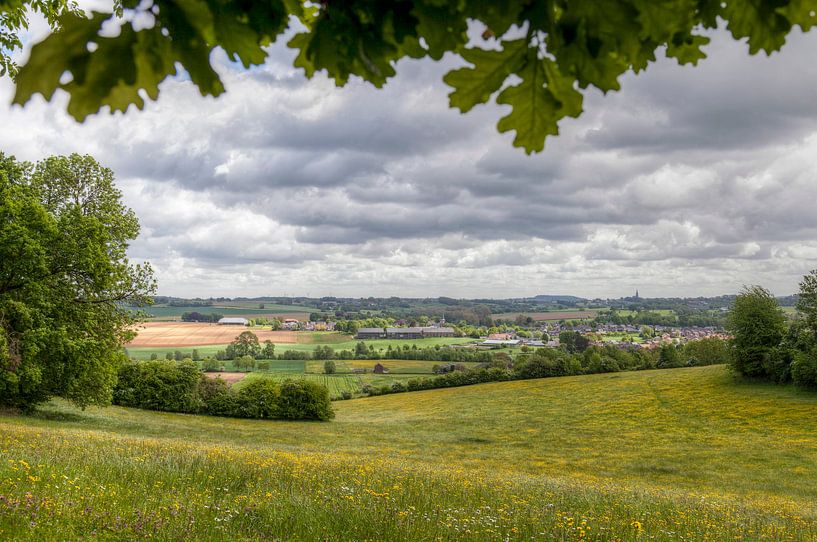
(689, 181)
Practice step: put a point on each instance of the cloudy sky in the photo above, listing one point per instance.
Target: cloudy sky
(690, 181)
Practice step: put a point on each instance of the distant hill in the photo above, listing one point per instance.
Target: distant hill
(558, 298)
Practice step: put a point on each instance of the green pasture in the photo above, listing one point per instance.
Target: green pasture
(620, 337)
(668, 455)
(337, 341)
(336, 384)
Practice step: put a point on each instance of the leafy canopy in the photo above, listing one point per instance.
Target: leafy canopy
(535, 56)
(64, 278)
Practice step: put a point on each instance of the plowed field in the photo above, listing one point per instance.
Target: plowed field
(193, 334)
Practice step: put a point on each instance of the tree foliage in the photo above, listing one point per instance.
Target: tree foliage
(807, 300)
(536, 56)
(246, 344)
(757, 325)
(14, 19)
(64, 277)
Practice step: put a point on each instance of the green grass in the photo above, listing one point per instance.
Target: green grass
(633, 337)
(338, 341)
(684, 454)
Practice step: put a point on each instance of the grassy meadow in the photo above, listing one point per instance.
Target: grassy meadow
(684, 454)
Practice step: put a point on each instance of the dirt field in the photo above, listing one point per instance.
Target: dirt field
(154, 334)
(229, 378)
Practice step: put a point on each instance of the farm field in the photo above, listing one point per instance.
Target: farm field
(683, 454)
(663, 312)
(167, 337)
(549, 315)
(185, 334)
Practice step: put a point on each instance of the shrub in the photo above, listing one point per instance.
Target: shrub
(668, 357)
(216, 397)
(304, 400)
(211, 365)
(329, 367)
(258, 399)
(263, 365)
(159, 385)
(804, 369)
(244, 362)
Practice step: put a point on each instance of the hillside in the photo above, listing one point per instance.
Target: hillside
(664, 455)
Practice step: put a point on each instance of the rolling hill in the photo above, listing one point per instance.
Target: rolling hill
(685, 454)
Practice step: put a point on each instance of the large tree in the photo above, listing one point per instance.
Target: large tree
(537, 56)
(64, 278)
(757, 325)
(807, 300)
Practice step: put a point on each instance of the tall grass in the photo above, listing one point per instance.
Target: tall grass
(685, 454)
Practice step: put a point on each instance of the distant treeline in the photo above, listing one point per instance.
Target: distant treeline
(549, 362)
(194, 316)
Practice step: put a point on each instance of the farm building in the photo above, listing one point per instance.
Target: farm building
(291, 324)
(404, 332)
(497, 343)
(380, 369)
(371, 333)
(438, 332)
(233, 322)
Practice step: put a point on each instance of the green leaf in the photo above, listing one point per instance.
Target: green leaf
(759, 21)
(53, 56)
(687, 48)
(800, 12)
(443, 28)
(475, 85)
(543, 98)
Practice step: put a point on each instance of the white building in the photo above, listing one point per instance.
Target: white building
(233, 322)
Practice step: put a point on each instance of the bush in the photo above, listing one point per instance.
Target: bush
(244, 362)
(258, 399)
(668, 357)
(159, 385)
(804, 369)
(211, 365)
(329, 367)
(263, 365)
(304, 400)
(216, 398)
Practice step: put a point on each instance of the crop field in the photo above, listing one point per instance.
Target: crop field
(662, 312)
(683, 454)
(548, 316)
(186, 334)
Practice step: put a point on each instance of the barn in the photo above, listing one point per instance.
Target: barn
(233, 322)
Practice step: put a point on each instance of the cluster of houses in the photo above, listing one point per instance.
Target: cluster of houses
(404, 332)
(663, 335)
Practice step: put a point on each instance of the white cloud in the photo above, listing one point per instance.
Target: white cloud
(687, 182)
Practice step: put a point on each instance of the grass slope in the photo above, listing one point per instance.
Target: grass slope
(684, 454)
